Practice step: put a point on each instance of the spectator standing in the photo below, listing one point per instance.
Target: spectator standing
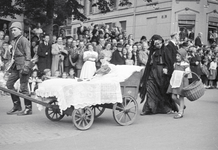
(81, 31)
(106, 54)
(191, 35)
(5, 29)
(1, 38)
(5, 55)
(198, 40)
(195, 63)
(73, 55)
(38, 30)
(44, 55)
(117, 56)
(129, 60)
(57, 56)
(66, 57)
(212, 72)
(143, 56)
(89, 67)
(135, 56)
(79, 62)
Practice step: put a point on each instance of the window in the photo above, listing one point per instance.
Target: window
(186, 23)
(74, 33)
(123, 25)
(69, 21)
(68, 32)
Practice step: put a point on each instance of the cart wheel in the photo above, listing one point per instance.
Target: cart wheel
(126, 112)
(83, 118)
(54, 113)
(98, 110)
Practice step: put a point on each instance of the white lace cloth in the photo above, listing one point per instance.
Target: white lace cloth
(99, 90)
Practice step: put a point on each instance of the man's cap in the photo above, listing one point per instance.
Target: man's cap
(173, 34)
(16, 25)
(119, 45)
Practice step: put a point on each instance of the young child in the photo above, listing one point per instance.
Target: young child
(33, 81)
(64, 75)
(71, 74)
(213, 72)
(47, 74)
(205, 73)
(57, 74)
(176, 89)
(129, 60)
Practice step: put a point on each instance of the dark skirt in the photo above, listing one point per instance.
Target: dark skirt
(157, 100)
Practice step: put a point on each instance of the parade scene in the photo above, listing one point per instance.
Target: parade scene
(109, 74)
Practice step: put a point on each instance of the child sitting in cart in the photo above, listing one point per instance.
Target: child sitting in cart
(34, 81)
(71, 74)
(179, 80)
(47, 74)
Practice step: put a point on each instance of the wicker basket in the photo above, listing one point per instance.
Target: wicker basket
(195, 90)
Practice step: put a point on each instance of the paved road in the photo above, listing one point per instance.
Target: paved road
(198, 130)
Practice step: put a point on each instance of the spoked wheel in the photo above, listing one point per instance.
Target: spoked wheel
(126, 112)
(98, 110)
(54, 113)
(83, 118)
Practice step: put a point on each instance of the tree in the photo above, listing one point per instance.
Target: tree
(48, 12)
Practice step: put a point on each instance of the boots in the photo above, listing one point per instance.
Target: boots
(26, 111)
(17, 107)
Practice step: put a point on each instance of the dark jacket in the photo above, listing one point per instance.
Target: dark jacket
(117, 59)
(198, 41)
(170, 56)
(44, 61)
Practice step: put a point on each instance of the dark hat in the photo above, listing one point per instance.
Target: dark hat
(119, 45)
(156, 37)
(185, 44)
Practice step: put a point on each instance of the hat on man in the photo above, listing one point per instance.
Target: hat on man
(16, 25)
(173, 34)
(119, 45)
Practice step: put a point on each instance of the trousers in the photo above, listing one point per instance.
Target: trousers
(13, 77)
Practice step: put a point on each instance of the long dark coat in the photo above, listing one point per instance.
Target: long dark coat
(44, 61)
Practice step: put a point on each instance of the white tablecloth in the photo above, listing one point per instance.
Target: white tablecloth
(99, 90)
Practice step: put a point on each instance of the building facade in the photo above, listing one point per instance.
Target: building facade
(161, 17)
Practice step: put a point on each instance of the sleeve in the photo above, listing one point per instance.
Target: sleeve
(26, 49)
(40, 51)
(54, 50)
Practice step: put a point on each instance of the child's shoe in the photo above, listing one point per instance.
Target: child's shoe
(178, 116)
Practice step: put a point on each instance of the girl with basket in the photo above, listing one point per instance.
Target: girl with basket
(179, 80)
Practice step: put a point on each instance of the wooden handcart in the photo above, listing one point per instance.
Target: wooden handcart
(124, 113)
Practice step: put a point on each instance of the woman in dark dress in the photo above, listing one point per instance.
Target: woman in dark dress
(155, 81)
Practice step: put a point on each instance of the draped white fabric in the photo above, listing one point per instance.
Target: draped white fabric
(99, 90)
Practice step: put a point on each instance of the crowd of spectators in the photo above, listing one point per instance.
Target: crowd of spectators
(67, 57)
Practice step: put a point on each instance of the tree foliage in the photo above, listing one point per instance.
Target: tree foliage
(48, 12)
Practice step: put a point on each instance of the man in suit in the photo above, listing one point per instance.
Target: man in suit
(20, 70)
(44, 54)
(117, 56)
(79, 61)
(81, 31)
(171, 51)
(198, 40)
